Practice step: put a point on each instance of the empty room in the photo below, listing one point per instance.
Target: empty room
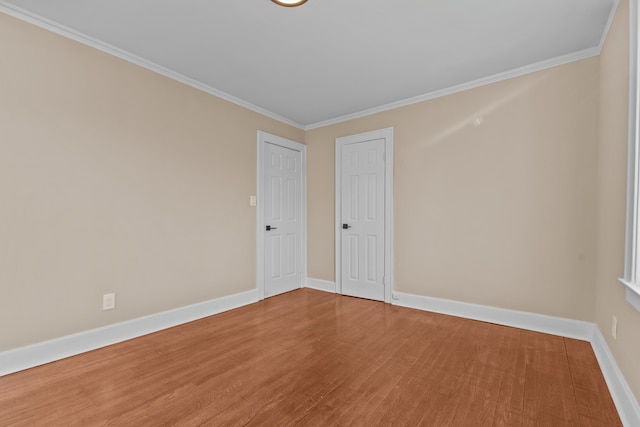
(319, 213)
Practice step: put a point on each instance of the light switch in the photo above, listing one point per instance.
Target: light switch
(252, 200)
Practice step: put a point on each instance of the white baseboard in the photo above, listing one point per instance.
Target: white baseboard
(48, 351)
(518, 319)
(321, 285)
(622, 396)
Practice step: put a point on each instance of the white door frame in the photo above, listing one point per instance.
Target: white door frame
(387, 135)
(264, 138)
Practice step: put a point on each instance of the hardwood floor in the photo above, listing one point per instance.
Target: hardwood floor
(318, 359)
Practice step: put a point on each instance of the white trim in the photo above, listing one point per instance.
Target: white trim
(321, 285)
(633, 294)
(262, 139)
(622, 396)
(607, 27)
(632, 161)
(387, 134)
(518, 319)
(72, 34)
(633, 297)
(517, 72)
(631, 279)
(49, 351)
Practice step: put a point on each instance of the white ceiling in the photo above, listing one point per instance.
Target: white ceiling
(330, 59)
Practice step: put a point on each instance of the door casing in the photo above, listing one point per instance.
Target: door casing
(264, 138)
(387, 135)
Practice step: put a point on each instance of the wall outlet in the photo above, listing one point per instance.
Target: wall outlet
(252, 200)
(614, 328)
(108, 301)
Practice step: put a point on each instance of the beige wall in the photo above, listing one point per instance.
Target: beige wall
(501, 214)
(612, 152)
(115, 179)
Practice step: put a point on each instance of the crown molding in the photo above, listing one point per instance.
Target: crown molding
(82, 38)
(605, 33)
(516, 72)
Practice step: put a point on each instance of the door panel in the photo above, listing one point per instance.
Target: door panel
(362, 201)
(283, 204)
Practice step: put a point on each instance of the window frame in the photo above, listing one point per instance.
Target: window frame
(631, 279)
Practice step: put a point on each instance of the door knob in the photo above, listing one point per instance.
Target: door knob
(345, 226)
(269, 228)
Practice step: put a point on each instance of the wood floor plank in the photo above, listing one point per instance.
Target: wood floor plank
(549, 397)
(510, 403)
(310, 358)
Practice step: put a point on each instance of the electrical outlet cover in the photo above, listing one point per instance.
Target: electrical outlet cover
(108, 301)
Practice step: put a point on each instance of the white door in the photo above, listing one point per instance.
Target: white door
(283, 191)
(362, 224)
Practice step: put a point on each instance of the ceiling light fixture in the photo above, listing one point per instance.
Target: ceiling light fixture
(289, 3)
